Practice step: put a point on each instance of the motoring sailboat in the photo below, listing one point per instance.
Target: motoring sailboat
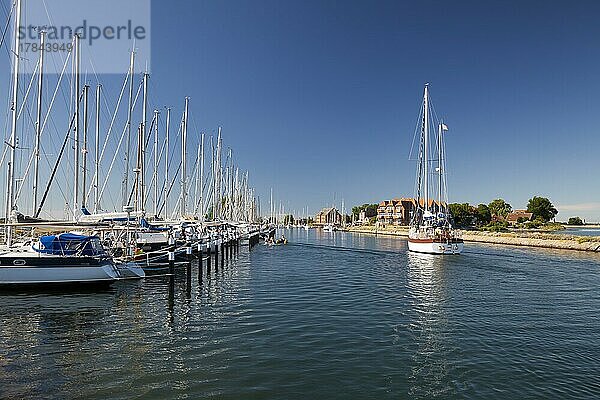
(431, 229)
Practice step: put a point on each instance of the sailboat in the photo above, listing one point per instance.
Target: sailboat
(431, 229)
(67, 258)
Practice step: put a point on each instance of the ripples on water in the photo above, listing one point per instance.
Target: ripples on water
(327, 316)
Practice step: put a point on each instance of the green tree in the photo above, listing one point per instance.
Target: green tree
(483, 215)
(541, 208)
(288, 219)
(499, 207)
(575, 221)
(463, 214)
(369, 209)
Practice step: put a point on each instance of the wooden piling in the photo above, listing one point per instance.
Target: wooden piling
(188, 270)
(200, 260)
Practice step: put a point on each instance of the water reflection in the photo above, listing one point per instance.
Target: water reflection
(429, 326)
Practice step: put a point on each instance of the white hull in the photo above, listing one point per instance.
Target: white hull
(435, 247)
(33, 275)
(131, 270)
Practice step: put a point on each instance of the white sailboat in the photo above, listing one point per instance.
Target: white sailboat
(431, 229)
(67, 258)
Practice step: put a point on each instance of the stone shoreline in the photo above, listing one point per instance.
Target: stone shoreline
(529, 239)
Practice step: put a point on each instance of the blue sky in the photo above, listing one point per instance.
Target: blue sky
(318, 99)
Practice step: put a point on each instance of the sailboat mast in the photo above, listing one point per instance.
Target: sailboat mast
(218, 175)
(196, 178)
(440, 164)
(38, 123)
(155, 172)
(10, 196)
(85, 143)
(77, 127)
(125, 200)
(97, 149)
(201, 201)
(183, 157)
(142, 172)
(166, 182)
(425, 146)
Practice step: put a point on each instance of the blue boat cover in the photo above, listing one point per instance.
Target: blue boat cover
(70, 244)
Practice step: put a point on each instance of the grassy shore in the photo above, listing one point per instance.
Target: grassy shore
(522, 238)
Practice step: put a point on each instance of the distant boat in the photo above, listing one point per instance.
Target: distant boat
(329, 227)
(431, 229)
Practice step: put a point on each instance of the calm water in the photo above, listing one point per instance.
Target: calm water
(580, 231)
(327, 316)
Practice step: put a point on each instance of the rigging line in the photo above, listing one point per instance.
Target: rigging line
(147, 193)
(37, 213)
(169, 190)
(26, 94)
(117, 150)
(110, 126)
(8, 19)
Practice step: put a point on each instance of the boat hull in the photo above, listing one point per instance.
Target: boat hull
(17, 271)
(429, 246)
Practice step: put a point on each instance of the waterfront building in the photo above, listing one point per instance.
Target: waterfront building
(399, 211)
(519, 216)
(328, 215)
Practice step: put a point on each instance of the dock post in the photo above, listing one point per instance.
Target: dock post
(171, 262)
(171, 273)
(222, 249)
(188, 253)
(217, 254)
(200, 261)
(209, 258)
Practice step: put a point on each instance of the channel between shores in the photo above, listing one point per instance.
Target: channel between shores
(528, 239)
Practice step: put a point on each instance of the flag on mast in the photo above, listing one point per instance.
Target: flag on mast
(444, 127)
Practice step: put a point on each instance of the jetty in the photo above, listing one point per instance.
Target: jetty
(528, 239)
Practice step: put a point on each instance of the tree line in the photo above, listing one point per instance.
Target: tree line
(465, 214)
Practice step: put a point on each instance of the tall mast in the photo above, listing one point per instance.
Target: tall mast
(97, 149)
(425, 145)
(10, 196)
(218, 176)
(137, 170)
(183, 157)
(271, 206)
(85, 143)
(201, 201)
(77, 127)
(440, 165)
(166, 184)
(142, 144)
(196, 178)
(155, 174)
(125, 200)
(38, 123)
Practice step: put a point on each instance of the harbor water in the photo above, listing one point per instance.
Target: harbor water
(328, 316)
